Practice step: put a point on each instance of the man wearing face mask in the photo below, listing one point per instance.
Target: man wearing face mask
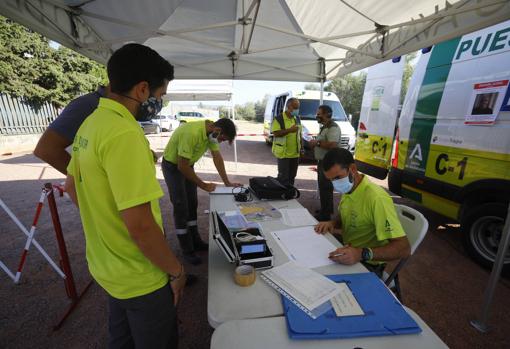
(286, 129)
(186, 146)
(371, 231)
(112, 178)
(328, 138)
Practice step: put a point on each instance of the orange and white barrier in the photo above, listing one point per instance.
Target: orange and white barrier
(30, 240)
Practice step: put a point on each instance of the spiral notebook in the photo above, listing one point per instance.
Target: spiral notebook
(308, 290)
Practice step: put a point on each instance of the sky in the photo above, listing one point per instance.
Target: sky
(243, 90)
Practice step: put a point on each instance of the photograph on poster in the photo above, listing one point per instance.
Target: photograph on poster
(484, 103)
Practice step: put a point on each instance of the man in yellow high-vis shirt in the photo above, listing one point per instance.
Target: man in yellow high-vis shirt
(112, 179)
(371, 231)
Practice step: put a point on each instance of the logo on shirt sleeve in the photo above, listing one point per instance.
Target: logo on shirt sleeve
(387, 226)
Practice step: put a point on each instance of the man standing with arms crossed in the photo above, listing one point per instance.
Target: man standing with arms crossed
(286, 129)
(112, 178)
(328, 138)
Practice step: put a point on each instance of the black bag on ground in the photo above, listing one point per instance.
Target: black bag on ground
(270, 188)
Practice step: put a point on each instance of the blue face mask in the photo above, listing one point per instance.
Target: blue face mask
(150, 108)
(343, 185)
(295, 112)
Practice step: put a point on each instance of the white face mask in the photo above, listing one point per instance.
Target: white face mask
(213, 137)
(343, 185)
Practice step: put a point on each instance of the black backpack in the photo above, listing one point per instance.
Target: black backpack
(269, 188)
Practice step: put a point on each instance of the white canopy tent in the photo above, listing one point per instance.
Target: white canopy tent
(284, 40)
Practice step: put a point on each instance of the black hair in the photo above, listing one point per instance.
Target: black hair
(290, 100)
(337, 156)
(326, 109)
(133, 63)
(228, 128)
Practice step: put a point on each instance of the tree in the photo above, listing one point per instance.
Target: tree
(246, 111)
(406, 77)
(260, 109)
(349, 89)
(34, 71)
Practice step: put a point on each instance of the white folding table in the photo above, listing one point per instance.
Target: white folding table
(226, 300)
(272, 333)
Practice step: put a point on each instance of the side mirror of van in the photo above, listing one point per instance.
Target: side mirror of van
(349, 116)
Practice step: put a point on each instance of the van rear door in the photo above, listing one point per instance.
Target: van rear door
(378, 118)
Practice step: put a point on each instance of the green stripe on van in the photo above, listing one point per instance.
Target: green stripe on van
(429, 99)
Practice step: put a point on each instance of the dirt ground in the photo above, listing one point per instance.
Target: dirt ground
(440, 282)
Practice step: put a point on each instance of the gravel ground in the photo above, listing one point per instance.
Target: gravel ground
(439, 282)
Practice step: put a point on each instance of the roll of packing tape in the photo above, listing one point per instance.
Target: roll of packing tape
(244, 275)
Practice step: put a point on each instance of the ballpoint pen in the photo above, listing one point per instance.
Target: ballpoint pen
(336, 255)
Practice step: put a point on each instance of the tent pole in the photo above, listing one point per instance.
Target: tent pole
(232, 106)
(322, 69)
(481, 323)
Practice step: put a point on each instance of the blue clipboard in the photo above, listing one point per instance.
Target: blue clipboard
(384, 315)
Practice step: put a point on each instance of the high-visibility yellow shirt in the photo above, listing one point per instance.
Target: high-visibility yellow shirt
(368, 215)
(189, 141)
(114, 170)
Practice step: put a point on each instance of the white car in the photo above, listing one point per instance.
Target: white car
(166, 122)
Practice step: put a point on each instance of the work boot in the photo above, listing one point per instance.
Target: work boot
(188, 252)
(198, 244)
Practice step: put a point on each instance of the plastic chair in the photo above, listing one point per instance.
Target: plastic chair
(415, 225)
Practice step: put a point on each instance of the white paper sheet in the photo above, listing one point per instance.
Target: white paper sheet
(297, 217)
(344, 303)
(304, 246)
(308, 287)
(223, 190)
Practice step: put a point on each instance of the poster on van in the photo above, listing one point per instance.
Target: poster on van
(485, 103)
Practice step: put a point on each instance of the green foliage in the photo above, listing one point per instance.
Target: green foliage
(32, 70)
(406, 77)
(245, 111)
(349, 89)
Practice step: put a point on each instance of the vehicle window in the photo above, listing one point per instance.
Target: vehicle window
(308, 109)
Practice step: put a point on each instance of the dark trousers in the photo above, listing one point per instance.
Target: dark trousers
(287, 170)
(183, 195)
(325, 192)
(148, 321)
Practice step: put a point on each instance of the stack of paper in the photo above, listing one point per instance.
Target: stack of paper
(304, 246)
(304, 287)
(297, 217)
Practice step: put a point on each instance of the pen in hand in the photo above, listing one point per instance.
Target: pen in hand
(337, 255)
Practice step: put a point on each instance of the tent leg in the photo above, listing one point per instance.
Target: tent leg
(322, 92)
(235, 139)
(481, 323)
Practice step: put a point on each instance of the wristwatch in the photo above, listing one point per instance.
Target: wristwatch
(366, 254)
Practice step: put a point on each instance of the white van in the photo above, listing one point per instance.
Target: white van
(309, 103)
(452, 150)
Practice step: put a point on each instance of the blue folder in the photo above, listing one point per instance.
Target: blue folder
(384, 315)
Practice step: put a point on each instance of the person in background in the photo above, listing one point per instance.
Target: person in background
(371, 231)
(59, 135)
(328, 138)
(186, 146)
(287, 133)
(112, 179)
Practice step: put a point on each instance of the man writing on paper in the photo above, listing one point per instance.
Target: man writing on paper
(371, 231)
(186, 146)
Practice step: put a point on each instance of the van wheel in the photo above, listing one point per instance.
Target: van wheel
(482, 228)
